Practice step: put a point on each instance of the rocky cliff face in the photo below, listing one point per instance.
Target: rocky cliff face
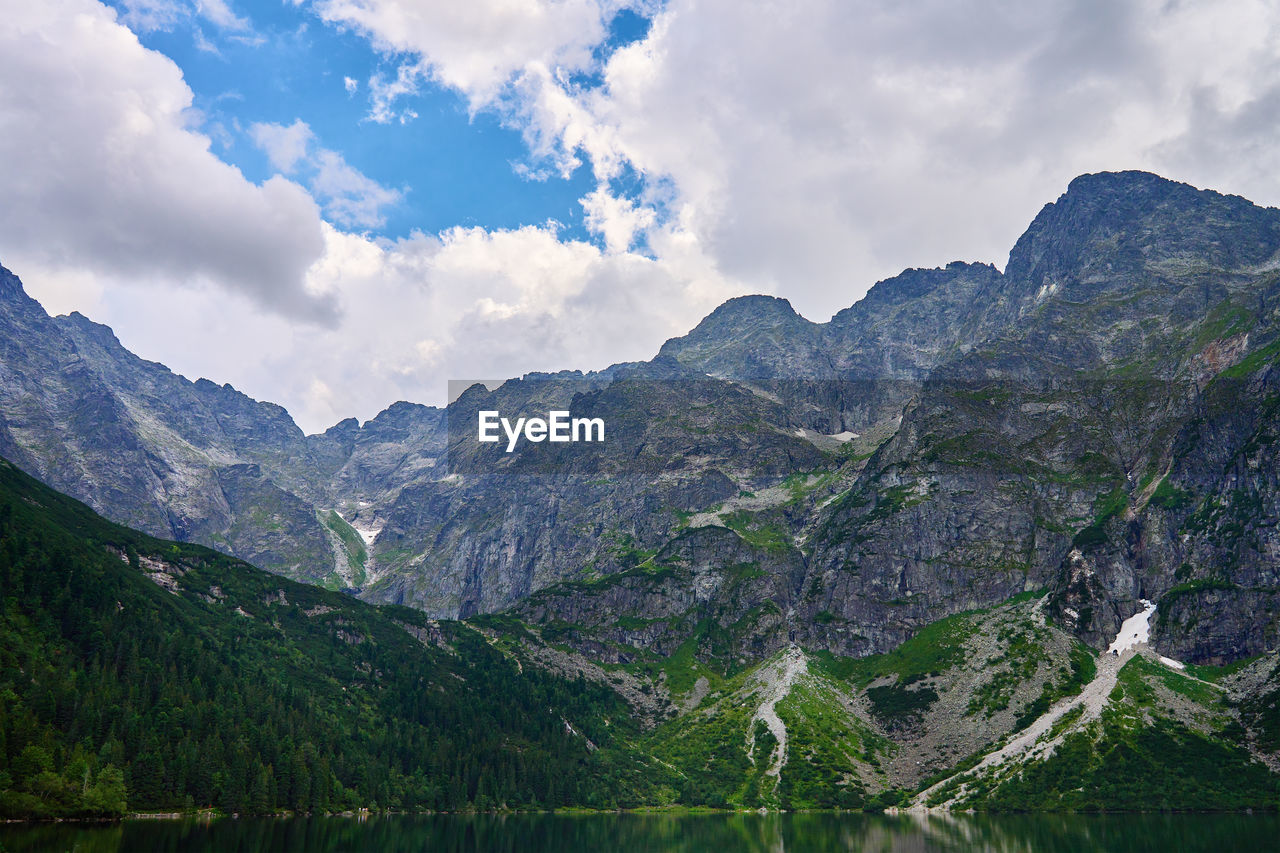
(1099, 420)
(1133, 345)
(190, 461)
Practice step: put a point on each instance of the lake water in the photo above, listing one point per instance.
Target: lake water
(634, 833)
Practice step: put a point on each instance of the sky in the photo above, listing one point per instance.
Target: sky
(337, 204)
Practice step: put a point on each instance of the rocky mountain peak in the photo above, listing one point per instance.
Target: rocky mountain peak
(102, 334)
(10, 286)
(913, 284)
(749, 336)
(343, 428)
(12, 292)
(739, 317)
(1131, 221)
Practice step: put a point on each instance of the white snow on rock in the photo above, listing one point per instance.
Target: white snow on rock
(1135, 630)
(1176, 664)
(367, 532)
(811, 435)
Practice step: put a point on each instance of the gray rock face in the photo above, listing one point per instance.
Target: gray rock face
(1101, 424)
(1110, 439)
(503, 525)
(150, 449)
(707, 576)
(1099, 420)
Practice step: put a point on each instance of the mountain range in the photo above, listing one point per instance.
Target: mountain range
(872, 549)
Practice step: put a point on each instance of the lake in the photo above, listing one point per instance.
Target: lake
(634, 833)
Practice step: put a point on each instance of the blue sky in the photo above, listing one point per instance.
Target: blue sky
(453, 167)
(508, 186)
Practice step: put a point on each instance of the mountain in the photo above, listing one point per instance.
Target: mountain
(139, 674)
(990, 540)
(185, 460)
(1097, 421)
(903, 328)
(144, 674)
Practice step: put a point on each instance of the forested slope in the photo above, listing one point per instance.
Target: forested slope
(146, 675)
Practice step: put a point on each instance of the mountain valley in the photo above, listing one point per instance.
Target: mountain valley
(870, 563)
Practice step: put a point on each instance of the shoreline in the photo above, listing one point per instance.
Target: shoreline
(914, 811)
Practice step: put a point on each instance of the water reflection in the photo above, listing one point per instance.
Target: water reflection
(636, 833)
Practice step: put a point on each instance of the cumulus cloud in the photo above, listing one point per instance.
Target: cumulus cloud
(103, 168)
(478, 46)
(819, 146)
(806, 150)
(349, 197)
(816, 151)
(419, 311)
(112, 189)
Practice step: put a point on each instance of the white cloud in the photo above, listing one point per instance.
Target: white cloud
(616, 219)
(348, 196)
(815, 147)
(219, 13)
(384, 93)
(283, 145)
(148, 15)
(419, 311)
(203, 44)
(351, 84)
(104, 169)
(475, 47)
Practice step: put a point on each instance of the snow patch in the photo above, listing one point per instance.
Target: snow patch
(1176, 664)
(1134, 631)
(368, 532)
(1046, 290)
(811, 435)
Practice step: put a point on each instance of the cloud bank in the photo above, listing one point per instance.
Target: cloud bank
(805, 149)
(103, 171)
